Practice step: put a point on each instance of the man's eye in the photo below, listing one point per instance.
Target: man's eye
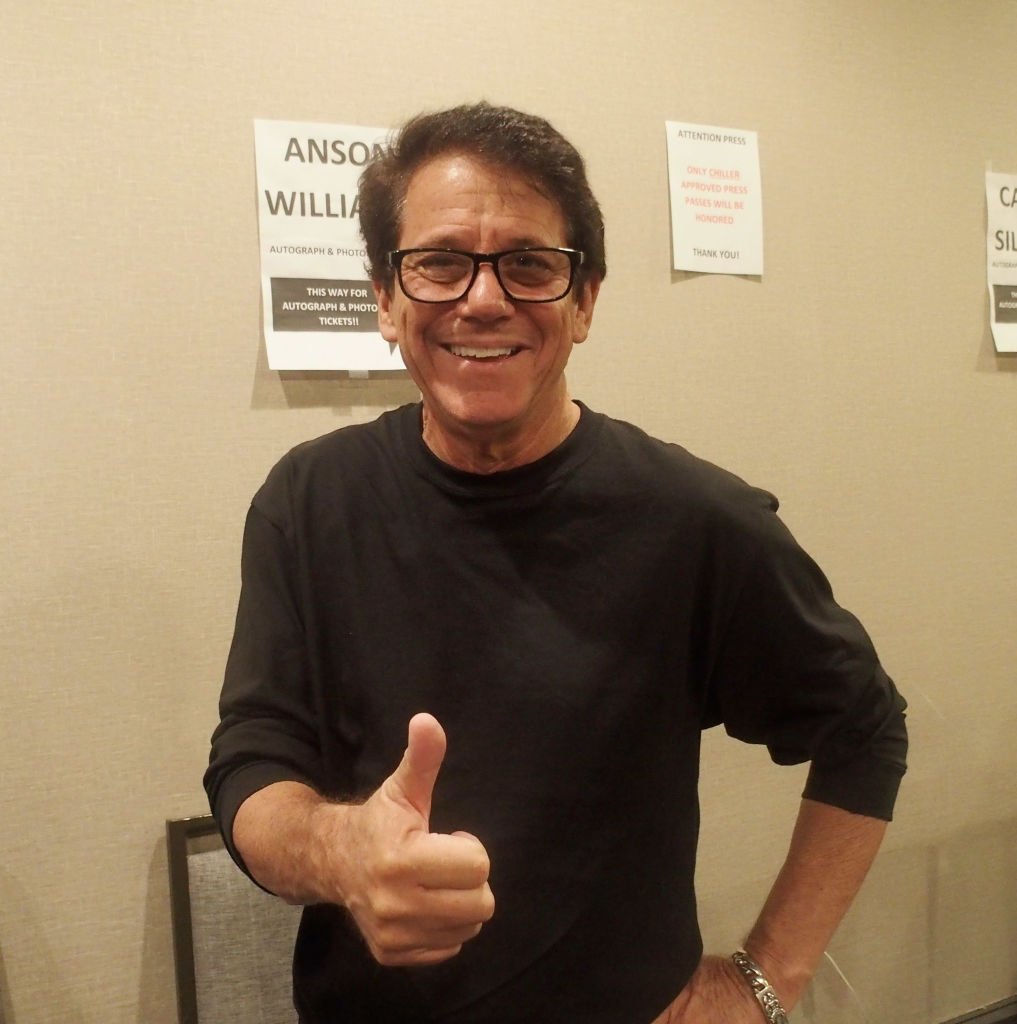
(530, 267)
(440, 263)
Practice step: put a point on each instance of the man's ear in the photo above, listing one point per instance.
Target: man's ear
(586, 299)
(386, 325)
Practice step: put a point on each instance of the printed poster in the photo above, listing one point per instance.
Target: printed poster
(716, 199)
(1001, 198)
(318, 305)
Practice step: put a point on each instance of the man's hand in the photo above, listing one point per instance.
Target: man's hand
(715, 994)
(416, 896)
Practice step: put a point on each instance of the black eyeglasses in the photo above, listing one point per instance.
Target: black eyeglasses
(533, 274)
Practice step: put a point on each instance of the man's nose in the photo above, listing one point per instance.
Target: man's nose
(486, 296)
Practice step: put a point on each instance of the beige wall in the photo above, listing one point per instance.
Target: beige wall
(857, 379)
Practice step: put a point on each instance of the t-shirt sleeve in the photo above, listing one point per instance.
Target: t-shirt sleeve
(798, 673)
(266, 732)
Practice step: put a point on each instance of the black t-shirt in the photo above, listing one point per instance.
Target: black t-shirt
(574, 624)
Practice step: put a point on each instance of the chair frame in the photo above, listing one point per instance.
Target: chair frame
(180, 832)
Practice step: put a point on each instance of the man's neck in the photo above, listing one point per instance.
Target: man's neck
(502, 450)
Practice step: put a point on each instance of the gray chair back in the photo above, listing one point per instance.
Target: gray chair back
(232, 942)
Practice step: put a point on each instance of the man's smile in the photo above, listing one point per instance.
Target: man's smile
(467, 352)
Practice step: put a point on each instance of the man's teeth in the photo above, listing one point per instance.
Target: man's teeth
(479, 353)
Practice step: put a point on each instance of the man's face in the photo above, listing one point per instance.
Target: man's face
(454, 201)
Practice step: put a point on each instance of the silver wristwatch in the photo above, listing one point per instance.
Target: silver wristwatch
(768, 1000)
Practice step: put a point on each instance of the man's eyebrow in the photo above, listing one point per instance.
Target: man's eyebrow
(450, 241)
(529, 242)
(445, 241)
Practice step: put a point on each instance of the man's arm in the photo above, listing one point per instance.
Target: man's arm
(830, 854)
(284, 833)
(416, 896)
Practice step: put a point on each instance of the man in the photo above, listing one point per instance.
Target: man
(479, 638)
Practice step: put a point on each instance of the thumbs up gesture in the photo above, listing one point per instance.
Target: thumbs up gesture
(416, 896)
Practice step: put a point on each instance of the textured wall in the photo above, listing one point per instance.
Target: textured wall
(857, 379)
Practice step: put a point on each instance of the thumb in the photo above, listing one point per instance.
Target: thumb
(417, 773)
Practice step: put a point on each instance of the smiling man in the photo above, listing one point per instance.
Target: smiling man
(486, 341)
(478, 641)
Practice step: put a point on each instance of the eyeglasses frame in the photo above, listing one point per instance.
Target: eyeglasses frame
(394, 259)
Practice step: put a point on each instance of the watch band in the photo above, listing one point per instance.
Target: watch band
(769, 1001)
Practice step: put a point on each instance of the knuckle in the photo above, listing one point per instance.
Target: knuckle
(384, 908)
(484, 863)
(387, 942)
(386, 958)
(480, 866)
(388, 865)
(487, 904)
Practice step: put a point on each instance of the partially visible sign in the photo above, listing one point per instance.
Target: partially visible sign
(318, 305)
(1001, 246)
(716, 199)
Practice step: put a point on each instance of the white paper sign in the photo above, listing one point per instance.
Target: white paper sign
(318, 305)
(1001, 245)
(716, 199)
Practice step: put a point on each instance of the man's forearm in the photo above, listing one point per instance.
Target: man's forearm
(290, 839)
(830, 854)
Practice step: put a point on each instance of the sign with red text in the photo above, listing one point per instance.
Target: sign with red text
(1001, 246)
(318, 305)
(716, 199)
